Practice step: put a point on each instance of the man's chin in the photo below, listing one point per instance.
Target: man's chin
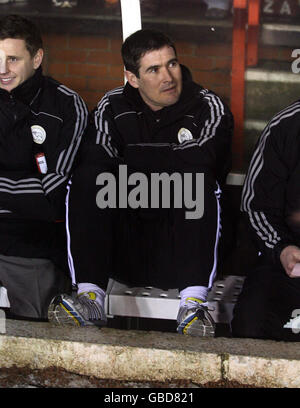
(7, 88)
(171, 101)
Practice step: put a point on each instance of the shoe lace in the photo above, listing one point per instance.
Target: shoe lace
(198, 303)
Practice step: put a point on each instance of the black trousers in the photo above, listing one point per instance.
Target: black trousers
(142, 247)
(266, 304)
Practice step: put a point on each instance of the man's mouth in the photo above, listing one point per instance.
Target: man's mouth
(5, 81)
(170, 89)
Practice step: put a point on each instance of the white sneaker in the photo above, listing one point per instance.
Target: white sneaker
(194, 319)
(81, 310)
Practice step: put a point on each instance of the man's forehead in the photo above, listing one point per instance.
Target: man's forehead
(15, 45)
(156, 57)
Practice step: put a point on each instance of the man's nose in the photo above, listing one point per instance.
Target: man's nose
(167, 77)
(3, 66)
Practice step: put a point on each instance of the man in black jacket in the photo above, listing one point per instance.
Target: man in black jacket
(269, 304)
(160, 123)
(41, 125)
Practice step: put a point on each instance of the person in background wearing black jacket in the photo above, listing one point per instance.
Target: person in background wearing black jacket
(160, 122)
(269, 304)
(41, 125)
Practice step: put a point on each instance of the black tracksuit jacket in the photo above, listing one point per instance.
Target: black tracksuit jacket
(32, 202)
(145, 243)
(271, 193)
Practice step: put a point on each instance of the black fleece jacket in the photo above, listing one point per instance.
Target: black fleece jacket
(124, 128)
(31, 201)
(271, 193)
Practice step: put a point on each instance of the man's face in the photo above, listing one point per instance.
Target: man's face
(160, 81)
(16, 63)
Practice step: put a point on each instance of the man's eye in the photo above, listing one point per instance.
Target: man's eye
(173, 64)
(12, 59)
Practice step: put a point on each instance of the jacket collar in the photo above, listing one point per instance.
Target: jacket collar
(27, 90)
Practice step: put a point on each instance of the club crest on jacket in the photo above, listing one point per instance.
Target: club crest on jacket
(38, 134)
(184, 134)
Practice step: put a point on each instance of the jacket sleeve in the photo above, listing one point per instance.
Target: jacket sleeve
(102, 142)
(41, 196)
(264, 197)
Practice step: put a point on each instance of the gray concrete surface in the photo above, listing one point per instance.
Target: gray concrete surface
(149, 356)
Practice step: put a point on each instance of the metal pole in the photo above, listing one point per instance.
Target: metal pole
(238, 79)
(131, 17)
(253, 32)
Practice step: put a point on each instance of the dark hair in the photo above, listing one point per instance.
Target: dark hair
(139, 43)
(18, 27)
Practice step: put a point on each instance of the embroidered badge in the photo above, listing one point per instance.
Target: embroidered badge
(41, 163)
(38, 134)
(184, 134)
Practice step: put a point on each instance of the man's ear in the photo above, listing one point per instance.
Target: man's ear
(132, 79)
(38, 58)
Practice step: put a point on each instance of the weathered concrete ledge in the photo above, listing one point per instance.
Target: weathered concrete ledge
(149, 356)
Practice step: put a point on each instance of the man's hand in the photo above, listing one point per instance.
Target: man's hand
(289, 256)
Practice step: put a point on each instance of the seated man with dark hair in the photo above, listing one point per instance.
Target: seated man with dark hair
(160, 123)
(41, 125)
